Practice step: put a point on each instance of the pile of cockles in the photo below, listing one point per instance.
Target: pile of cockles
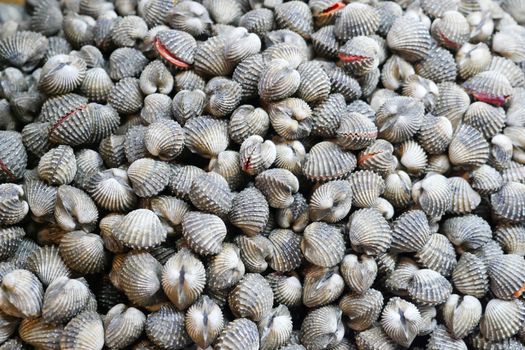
(262, 174)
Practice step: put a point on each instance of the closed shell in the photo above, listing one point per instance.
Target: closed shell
(47, 264)
(435, 134)
(148, 177)
(256, 155)
(164, 139)
(315, 83)
(247, 74)
(505, 202)
(358, 272)
(428, 287)
(433, 194)
(210, 193)
(511, 237)
(326, 116)
(247, 121)
(410, 231)
(401, 320)
(356, 19)
(356, 131)
(140, 229)
(468, 232)
(486, 180)
(399, 118)
(317, 169)
(442, 339)
(439, 66)
(287, 290)
(507, 276)
(395, 71)
(461, 315)
(278, 186)
(227, 164)
(437, 254)
(325, 43)
(322, 244)
(373, 338)
(362, 309)
(502, 319)
(21, 294)
(252, 297)
(238, 335)
(255, 252)
(512, 72)
(64, 299)
(275, 328)
(182, 178)
(451, 30)
(126, 62)
(294, 216)
(74, 209)
(490, 86)
(188, 104)
(13, 208)
(331, 202)
(157, 107)
(369, 232)
(321, 286)
(409, 38)
(398, 186)
(223, 96)
(204, 321)
(126, 97)
(36, 332)
(286, 250)
(249, 211)
(156, 77)
(225, 269)
(165, 328)
(322, 328)
(203, 232)
(123, 326)
(290, 155)
(206, 136)
(258, 21)
(367, 186)
(296, 16)
(210, 58)
(83, 252)
(360, 55)
(23, 50)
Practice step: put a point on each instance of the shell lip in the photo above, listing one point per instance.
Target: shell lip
(363, 158)
(331, 9)
(352, 58)
(166, 54)
(66, 117)
(447, 41)
(5, 170)
(490, 98)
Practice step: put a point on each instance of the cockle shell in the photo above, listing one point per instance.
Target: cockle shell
(327, 114)
(255, 252)
(510, 237)
(461, 315)
(287, 290)
(360, 55)
(506, 276)
(486, 180)
(249, 211)
(36, 332)
(344, 84)
(409, 39)
(188, 104)
(13, 208)
(325, 43)
(165, 328)
(358, 272)
(322, 244)
(294, 216)
(435, 134)
(275, 328)
(490, 86)
(227, 164)
(237, 335)
(64, 299)
(428, 287)
(502, 319)
(123, 326)
(512, 71)
(247, 74)
(21, 294)
(156, 108)
(437, 254)
(433, 194)
(83, 252)
(369, 232)
(256, 155)
(362, 309)
(223, 96)
(451, 30)
(331, 202)
(278, 186)
(111, 190)
(165, 139)
(210, 58)
(452, 102)
(183, 279)
(75, 209)
(286, 250)
(204, 321)
(315, 168)
(295, 16)
(62, 74)
(190, 17)
(278, 80)
(291, 118)
(206, 136)
(399, 118)
(140, 229)
(247, 121)
(182, 179)
(23, 50)
(468, 232)
(373, 338)
(398, 188)
(226, 268)
(155, 77)
(252, 297)
(203, 232)
(401, 320)
(410, 231)
(148, 177)
(464, 198)
(442, 339)
(126, 97)
(356, 19)
(134, 147)
(473, 59)
(322, 328)
(321, 286)
(367, 186)
(47, 264)
(126, 62)
(315, 83)
(505, 202)
(395, 71)
(210, 193)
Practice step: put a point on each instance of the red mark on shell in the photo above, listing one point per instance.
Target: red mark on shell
(168, 56)
(519, 292)
(66, 117)
(490, 99)
(247, 165)
(364, 157)
(351, 58)
(448, 42)
(6, 171)
(331, 9)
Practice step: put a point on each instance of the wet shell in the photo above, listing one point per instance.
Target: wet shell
(140, 278)
(140, 229)
(156, 108)
(398, 189)
(451, 30)
(487, 119)
(322, 244)
(203, 232)
(286, 250)
(62, 74)
(294, 216)
(325, 43)
(78, 29)
(13, 157)
(287, 290)
(369, 232)
(13, 208)
(188, 104)
(437, 254)
(367, 186)
(399, 118)
(129, 31)
(63, 300)
(258, 21)
(36, 141)
(256, 155)
(507, 276)
(36, 332)
(461, 315)
(251, 298)
(165, 328)
(316, 167)
(358, 272)
(506, 203)
(134, 147)
(435, 134)
(278, 80)
(508, 42)
(428, 287)
(290, 155)
(249, 211)
(225, 269)
(362, 309)
(182, 178)
(356, 19)
(473, 59)
(165, 139)
(401, 320)
(112, 191)
(206, 136)
(204, 321)
(255, 252)
(10, 238)
(464, 198)
(502, 319)
(511, 238)
(490, 86)
(315, 83)
(322, 328)
(296, 16)
(469, 231)
(47, 264)
(183, 279)
(278, 186)
(410, 232)
(123, 325)
(210, 193)
(47, 18)
(275, 328)
(433, 194)
(240, 334)
(439, 66)
(190, 17)
(227, 164)
(126, 62)
(155, 77)
(21, 294)
(148, 177)
(374, 338)
(126, 96)
(112, 151)
(321, 286)
(83, 252)
(247, 74)
(344, 84)
(246, 121)
(409, 38)
(96, 85)
(356, 131)
(23, 50)
(223, 96)
(210, 58)
(331, 202)
(291, 118)
(442, 339)
(360, 55)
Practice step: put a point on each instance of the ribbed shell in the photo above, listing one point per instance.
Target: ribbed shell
(126, 97)
(286, 250)
(278, 186)
(35, 139)
(275, 328)
(210, 193)
(258, 21)
(225, 269)
(439, 66)
(47, 264)
(296, 16)
(58, 166)
(126, 62)
(410, 231)
(223, 96)
(13, 157)
(227, 164)
(210, 58)
(256, 155)
(511, 238)
(461, 315)
(140, 278)
(358, 272)
(442, 339)
(486, 180)
(203, 232)
(156, 108)
(356, 131)
(490, 86)
(315, 83)
(165, 328)
(188, 104)
(468, 232)
(388, 12)
(249, 211)
(255, 252)
(123, 325)
(437, 254)
(428, 287)
(148, 177)
(360, 56)
(155, 77)
(129, 31)
(64, 299)
(362, 309)
(164, 139)
(451, 30)
(140, 229)
(13, 208)
(395, 71)
(401, 321)
(287, 290)
(23, 50)
(21, 294)
(321, 286)
(331, 202)
(507, 273)
(399, 118)
(62, 74)
(204, 321)
(325, 43)
(246, 121)
(502, 319)
(322, 244)
(327, 161)
(206, 136)
(322, 328)
(182, 178)
(36, 332)
(506, 202)
(367, 186)
(509, 69)
(409, 38)
(369, 232)
(344, 84)
(183, 279)
(240, 334)
(433, 194)
(75, 209)
(485, 118)
(252, 297)
(356, 19)
(375, 338)
(112, 150)
(83, 252)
